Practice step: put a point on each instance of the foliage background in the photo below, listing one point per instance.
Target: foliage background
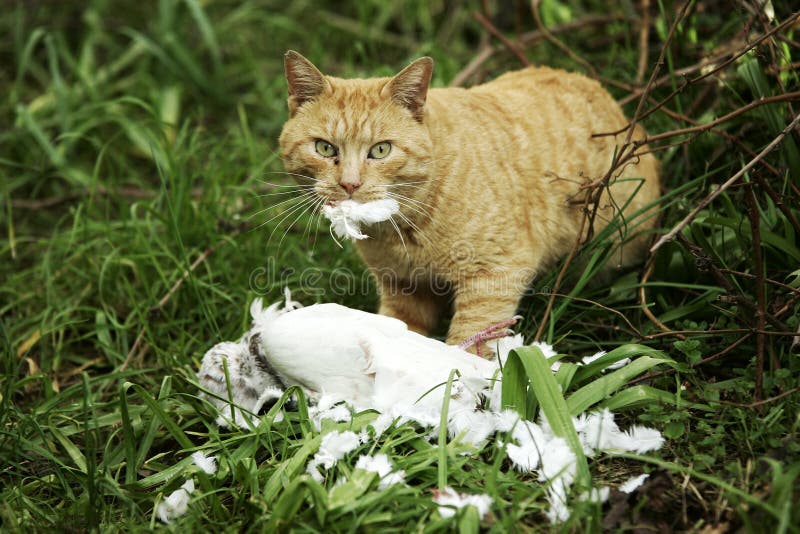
(138, 137)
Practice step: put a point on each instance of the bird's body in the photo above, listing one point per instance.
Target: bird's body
(328, 349)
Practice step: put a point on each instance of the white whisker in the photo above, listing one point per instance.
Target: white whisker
(291, 210)
(303, 196)
(304, 176)
(288, 228)
(400, 235)
(418, 203)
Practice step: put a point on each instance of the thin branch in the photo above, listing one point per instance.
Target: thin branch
(644, 38)
(552, 39)
(669, 236)
(761, 299)
(562, 273)
(761, 402)
(702, 65)
(643, 300)
(528, 39)
(699, 128)
(703, 127)
(512, 46)
(599, 305)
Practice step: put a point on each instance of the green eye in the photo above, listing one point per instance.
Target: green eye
(380, 150)
(325, 149)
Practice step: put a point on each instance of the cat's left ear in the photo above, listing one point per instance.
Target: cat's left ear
(409, 88)
(304, 79)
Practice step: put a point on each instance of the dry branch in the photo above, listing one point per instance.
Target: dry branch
(669, 236)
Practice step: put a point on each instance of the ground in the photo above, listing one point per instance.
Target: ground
(140, 215)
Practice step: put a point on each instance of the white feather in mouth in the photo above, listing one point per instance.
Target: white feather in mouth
(347, 216)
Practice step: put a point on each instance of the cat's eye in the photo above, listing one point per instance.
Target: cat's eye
(325, 149)
(380, 150)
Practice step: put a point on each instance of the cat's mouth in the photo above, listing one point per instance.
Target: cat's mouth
(347, 216)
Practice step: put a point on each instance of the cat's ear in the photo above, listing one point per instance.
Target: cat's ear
(305, 81)
(409, 87)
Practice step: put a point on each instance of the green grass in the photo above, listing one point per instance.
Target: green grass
(139, 136)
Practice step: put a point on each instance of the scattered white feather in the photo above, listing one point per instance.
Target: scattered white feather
(381, 424)
(596, 356)
(597, 495)
(207, 463)
(548, 352)
(449, 500)
(618, 365)
(633, 483)
(506, 420)
(177, 503)
(474, 426)
(332, 448)
(330, 408)
(381, 464)
(597, 431)
(641, 439)
(347, 216)
(504, 345)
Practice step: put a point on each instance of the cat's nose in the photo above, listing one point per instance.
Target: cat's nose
(350, 187)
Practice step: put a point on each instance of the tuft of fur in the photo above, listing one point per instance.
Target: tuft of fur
(488, 179)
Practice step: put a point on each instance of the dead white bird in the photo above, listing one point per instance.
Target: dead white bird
(327, 349)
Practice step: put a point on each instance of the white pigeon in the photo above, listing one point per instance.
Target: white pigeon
(328, 349)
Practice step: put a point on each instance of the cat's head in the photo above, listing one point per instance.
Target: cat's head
(357, 139)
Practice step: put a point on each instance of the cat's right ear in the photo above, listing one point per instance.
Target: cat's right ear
(409, 88)
(305, 81)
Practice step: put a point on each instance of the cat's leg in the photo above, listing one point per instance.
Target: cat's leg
(419, 307)
(481, 301)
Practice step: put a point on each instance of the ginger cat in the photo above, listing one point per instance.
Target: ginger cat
(488, 180)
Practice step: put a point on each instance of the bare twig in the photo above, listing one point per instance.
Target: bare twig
(643, 300)
(699, 128)
(627, 151)
(599, 305)
(718, 355)
(755, 223)
(644, 38)
(704, 64)
(528, 39)
(562, 273)
(787, 97)
(472, 67)
(512, 46)
(710, 198)
(705, 263)
(556, 41)
(762, 402)
(778, 200)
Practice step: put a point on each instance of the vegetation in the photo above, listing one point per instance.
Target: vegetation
(137, 168)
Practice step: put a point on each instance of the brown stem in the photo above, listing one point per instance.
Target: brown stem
(528, 39)
(561, 274)
(761, 299)
(643, 300)
(512, 46)
(556, 41)
(644, 38)
(733, 179)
